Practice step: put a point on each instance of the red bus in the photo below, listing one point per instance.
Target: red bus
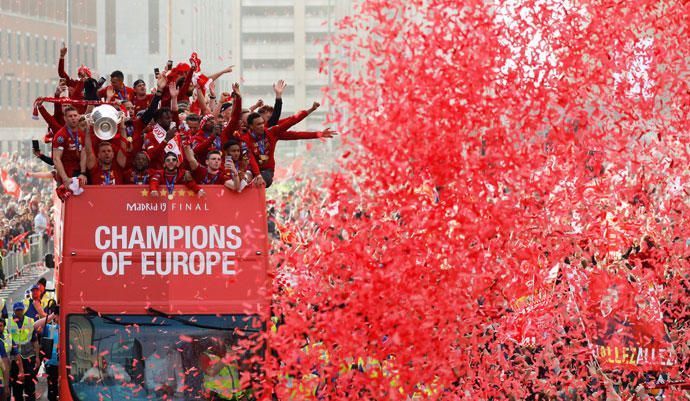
(152, 289)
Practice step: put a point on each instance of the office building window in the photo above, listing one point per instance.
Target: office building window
(45, 50)
(27, 94)
(37, 92)
(110, 24)
(18, 95)
(8, 90)
(54, 51)
(154, 27)
(2, 44)
(77, 54)
(2, 93)
(37, 53)
(30, 94)
(9, 46)
(18, 43)
(27, 48)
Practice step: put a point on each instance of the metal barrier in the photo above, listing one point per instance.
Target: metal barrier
(14, 262)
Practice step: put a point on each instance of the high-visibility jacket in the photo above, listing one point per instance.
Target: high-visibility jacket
(22, 336)
(7, 340)
(226, 383)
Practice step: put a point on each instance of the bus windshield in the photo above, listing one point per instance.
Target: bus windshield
(144, 357)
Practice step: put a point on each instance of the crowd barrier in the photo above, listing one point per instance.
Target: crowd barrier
(16, 261)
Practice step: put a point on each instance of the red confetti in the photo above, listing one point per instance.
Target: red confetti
(509, 222)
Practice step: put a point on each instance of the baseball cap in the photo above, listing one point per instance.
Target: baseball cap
(18, 305)
(225, 106)
(137, 82)
(35, 287)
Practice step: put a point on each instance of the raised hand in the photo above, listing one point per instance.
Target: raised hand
(162, 82)
(172, 88)
(278, 88)
(314, 106)
(63, 51)
(328, 133)
(236, 88)
(170, 134)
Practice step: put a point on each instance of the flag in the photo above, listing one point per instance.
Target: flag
(9, 184)
(288, 236)
(18, 238)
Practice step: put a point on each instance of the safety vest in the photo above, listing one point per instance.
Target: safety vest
(8, 347)
(45, 298)
(226, 383)
(7, 339)
(22, 336)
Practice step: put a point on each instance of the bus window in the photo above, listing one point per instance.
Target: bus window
(144, 357)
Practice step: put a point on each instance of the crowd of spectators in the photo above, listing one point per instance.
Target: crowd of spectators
(28, 213)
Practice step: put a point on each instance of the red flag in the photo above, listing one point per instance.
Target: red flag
(9, 184)
(19, 238)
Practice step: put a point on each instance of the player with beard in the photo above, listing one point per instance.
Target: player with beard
(162, 140)
(262, 141)
(206, 140)
(211, 173)
(139, 173)
(172, 176)
(238, 160)
(103, 170)
(140, 98)
(68, 150)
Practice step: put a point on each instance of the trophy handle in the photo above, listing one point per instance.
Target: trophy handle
(88, 118)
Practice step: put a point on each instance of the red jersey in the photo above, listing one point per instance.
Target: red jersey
(140, 103)
(133, 177)
(123, 94)
(76, 86)
(203, 176)
(172, 181)
(156, 148)
(263, 146)
(202, 144)
(71, 143)
(111, 176)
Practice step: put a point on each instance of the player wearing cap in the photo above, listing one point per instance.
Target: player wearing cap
(174, 177)
(139, 97)
(24, 369)
(32, 306)
(45, 295)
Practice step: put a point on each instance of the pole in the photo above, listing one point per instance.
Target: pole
(169, 32)
(69, 35)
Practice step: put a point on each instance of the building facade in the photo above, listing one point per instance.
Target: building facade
(266, 40)
(31, 34)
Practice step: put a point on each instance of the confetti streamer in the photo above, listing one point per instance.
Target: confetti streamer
(510, 219)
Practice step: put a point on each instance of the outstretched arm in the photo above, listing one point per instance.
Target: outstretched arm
(296, 135)
(214, 77)
(61, 67)
(234, 123)
(189, 156)
(278, 88)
